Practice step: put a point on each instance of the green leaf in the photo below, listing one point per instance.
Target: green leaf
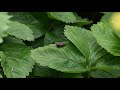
(78, 36)
(16, 61)
(37, 26)
(106, 37)
(68, 17)
(39, 42)
(10, 39)
(55, 35)
(4, 20)
(65, 59)
(20, 31)
(109, 62)
(96, 51)
(85, 42)
(43, 71)
(69, 58)
(107, 66)
(113, 19)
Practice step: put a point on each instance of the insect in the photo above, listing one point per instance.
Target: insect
(60, 44)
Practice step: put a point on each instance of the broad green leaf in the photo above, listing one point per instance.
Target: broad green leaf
(37, 26)
(78, 36)
(10, 39)
(96, 51)
(108, 62)
(106, 37)
(55, 35)
(68, 17)
(20, 31)
(16, 61)
(65, 59)
(4, 20)
(113, 19)
(68, 58)
(43, 71)
(108, 66)
(85, 42)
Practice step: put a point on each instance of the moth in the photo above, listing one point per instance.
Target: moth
(60, 44)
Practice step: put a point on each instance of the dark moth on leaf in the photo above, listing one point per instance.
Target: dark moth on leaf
(60, 44)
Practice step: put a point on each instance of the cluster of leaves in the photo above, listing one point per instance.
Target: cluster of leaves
(28, 49)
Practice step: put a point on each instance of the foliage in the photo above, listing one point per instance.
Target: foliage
(28, 45)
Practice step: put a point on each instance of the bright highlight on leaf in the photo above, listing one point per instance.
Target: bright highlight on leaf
(4, 20)
(106, 37)
(115, 20)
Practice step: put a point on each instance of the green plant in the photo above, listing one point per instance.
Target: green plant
(28, 49)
